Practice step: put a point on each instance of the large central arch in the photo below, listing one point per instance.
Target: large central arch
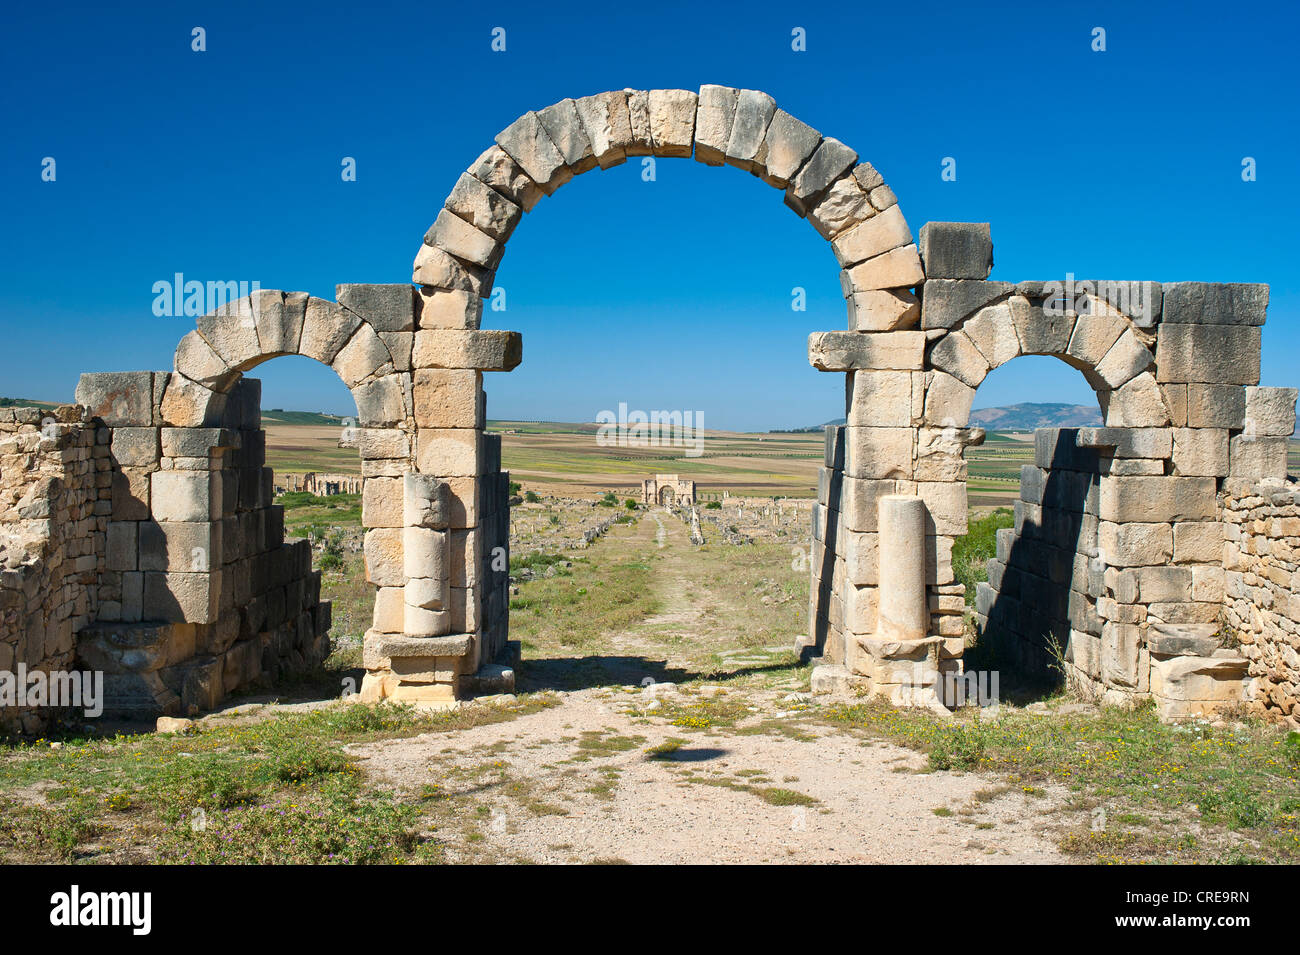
(845, 200)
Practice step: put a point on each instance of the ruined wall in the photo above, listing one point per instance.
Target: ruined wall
(52, 517)
(1045, 581)
(198, 593)
(1262, 590)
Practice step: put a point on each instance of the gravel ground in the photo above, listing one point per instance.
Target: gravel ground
(870, 801)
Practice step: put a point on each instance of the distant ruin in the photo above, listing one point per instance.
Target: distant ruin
(668, 490)
(1156, 554)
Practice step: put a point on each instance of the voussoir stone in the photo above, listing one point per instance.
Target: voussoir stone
(526, 142)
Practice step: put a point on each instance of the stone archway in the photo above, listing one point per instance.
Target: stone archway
(846, 201)
(924, 326)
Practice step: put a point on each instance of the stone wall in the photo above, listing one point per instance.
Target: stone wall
(53, 507)
(198, 593)
(1046, 578)
(1262, 590)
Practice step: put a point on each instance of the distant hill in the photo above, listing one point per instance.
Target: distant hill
(26, 403)
(1021, 417)
(280, 416)
(1030, 415)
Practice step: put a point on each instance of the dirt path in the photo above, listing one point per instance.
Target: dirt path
(576, 782)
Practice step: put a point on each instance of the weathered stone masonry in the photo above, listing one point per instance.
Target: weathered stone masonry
(175, 578)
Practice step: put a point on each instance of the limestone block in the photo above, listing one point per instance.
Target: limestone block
(135, 447)
(638, 115)
(1041, 331)
(278, 328)
(1138, 404)
(436, 268)
(196, 360)
(449, 308)
(363, 357)
(526, 142)
(957, 355)
(1182, 639)
(1128, 442)
(130, 495)
(1120, 645)
(945, 506)
(466, 558)
(326, 328)
(481, 350)
(875, 236)
(878, 452)
(1135, 544)
(1208, 584)
(947, 400)
(944, 302)
(390, 609)
(426, 502)
(940, 452)
(1202, 679)
(564, 127)
(843, 205)
(119, 399)
(386, 308)
(882, 310)
(383, 554)
(453, 234)
(1094, 335)
(449, 452)
(1215, 354)
(859, 502)
(181, 597)
(861, 609)
(754, 111)
(185, 496)
(380, 402)
(897, 268)
(191, 547)
(828, 163)
(381, 502)
(849, 351)
(425, 554)
(1157, 499)
(448, 398)
(487, 210)
(713, 119)
(1198, 541)
(1270, 411)
(993, 332)
(607, 125)
(1216, 406)
(120, 549)
(786, 147)
(956, 250)
(672, 121)
(1251, 456)
(496, 170)
(1126, 359)
(1210, 303)
(187, 404)
(879, 398)
(1200, 451)
(231, 332)
(882, 197)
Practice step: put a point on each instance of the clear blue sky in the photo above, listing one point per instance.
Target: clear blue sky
(674, 294)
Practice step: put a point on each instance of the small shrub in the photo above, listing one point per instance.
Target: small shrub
(531, 497)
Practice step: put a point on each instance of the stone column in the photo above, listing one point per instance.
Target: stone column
(904, 611)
